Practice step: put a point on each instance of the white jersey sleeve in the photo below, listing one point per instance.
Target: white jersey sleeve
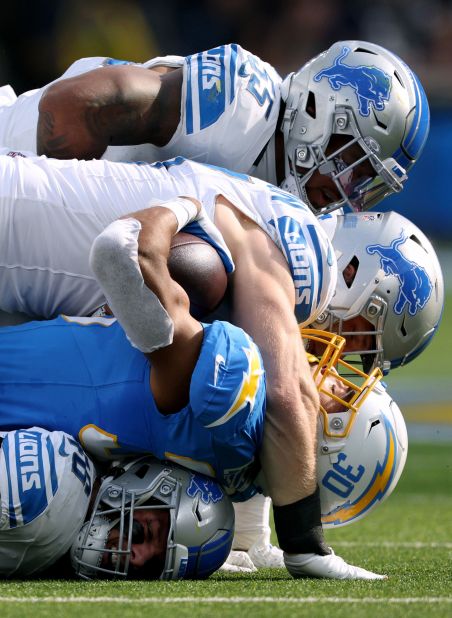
(229, 110)
(285, 218)
(46, 481)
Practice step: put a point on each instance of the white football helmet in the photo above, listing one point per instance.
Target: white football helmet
(366, 93)
(362, 443)
(201, 523)
(398, 286)
(45, 487)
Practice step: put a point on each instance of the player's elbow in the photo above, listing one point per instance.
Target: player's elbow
(62, 132)
(113, 248)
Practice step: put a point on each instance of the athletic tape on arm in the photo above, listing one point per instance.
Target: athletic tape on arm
(183, 209)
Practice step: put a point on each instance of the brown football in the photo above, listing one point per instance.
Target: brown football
(198, 268)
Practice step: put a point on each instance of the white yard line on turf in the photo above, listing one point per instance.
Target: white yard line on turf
(216, 600)
(407, 544)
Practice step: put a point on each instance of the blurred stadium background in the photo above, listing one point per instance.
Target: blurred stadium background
(39, 39)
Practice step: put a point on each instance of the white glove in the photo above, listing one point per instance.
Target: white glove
(330, 566)
(238, 562)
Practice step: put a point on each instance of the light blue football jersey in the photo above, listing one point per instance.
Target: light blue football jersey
(82, 376)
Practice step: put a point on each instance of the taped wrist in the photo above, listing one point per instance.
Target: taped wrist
(299, 526)
(114, 261)
(184, 210)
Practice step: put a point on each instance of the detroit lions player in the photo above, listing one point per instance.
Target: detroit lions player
(343, 129)
(182, 522)
(52, 210)
(154, 519)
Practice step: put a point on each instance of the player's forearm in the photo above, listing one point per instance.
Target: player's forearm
(289, 445)
(288, 450)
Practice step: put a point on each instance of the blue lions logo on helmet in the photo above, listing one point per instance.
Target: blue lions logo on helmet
(415, 285)
(371, 84)
(208, 490)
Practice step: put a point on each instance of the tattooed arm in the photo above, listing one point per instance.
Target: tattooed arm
(110, 106)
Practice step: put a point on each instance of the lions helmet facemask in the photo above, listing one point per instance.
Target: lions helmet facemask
(397, 287)
(362, 443)
(367, 95)
(45, 487)
(201, 523)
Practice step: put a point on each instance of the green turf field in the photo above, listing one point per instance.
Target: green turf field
(409, 538)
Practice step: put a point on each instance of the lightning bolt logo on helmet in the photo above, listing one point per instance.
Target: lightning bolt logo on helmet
(249, 387)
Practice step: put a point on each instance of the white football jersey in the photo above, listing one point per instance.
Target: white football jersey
(229, 110)
(51, 211)
(46, 481)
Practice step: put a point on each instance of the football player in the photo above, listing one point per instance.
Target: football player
(178, 523)
(345, 128)
(389, 296)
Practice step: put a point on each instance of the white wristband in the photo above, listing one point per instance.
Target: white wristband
(184, 210)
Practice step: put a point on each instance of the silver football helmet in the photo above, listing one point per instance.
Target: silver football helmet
(362, 438)
(397, 286)
(46, 481)
(365, 93)
(200, 526)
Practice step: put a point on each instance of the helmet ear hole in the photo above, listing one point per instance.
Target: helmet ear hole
(310, 105)
(399, 79)
(403, 329)
(415, 239)
(349, 272)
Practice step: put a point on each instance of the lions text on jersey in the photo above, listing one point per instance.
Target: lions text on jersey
(229, 109)
(51, 211)
(45, 487)
(82, 376)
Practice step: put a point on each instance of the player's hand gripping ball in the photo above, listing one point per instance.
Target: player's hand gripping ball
(198, 268)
